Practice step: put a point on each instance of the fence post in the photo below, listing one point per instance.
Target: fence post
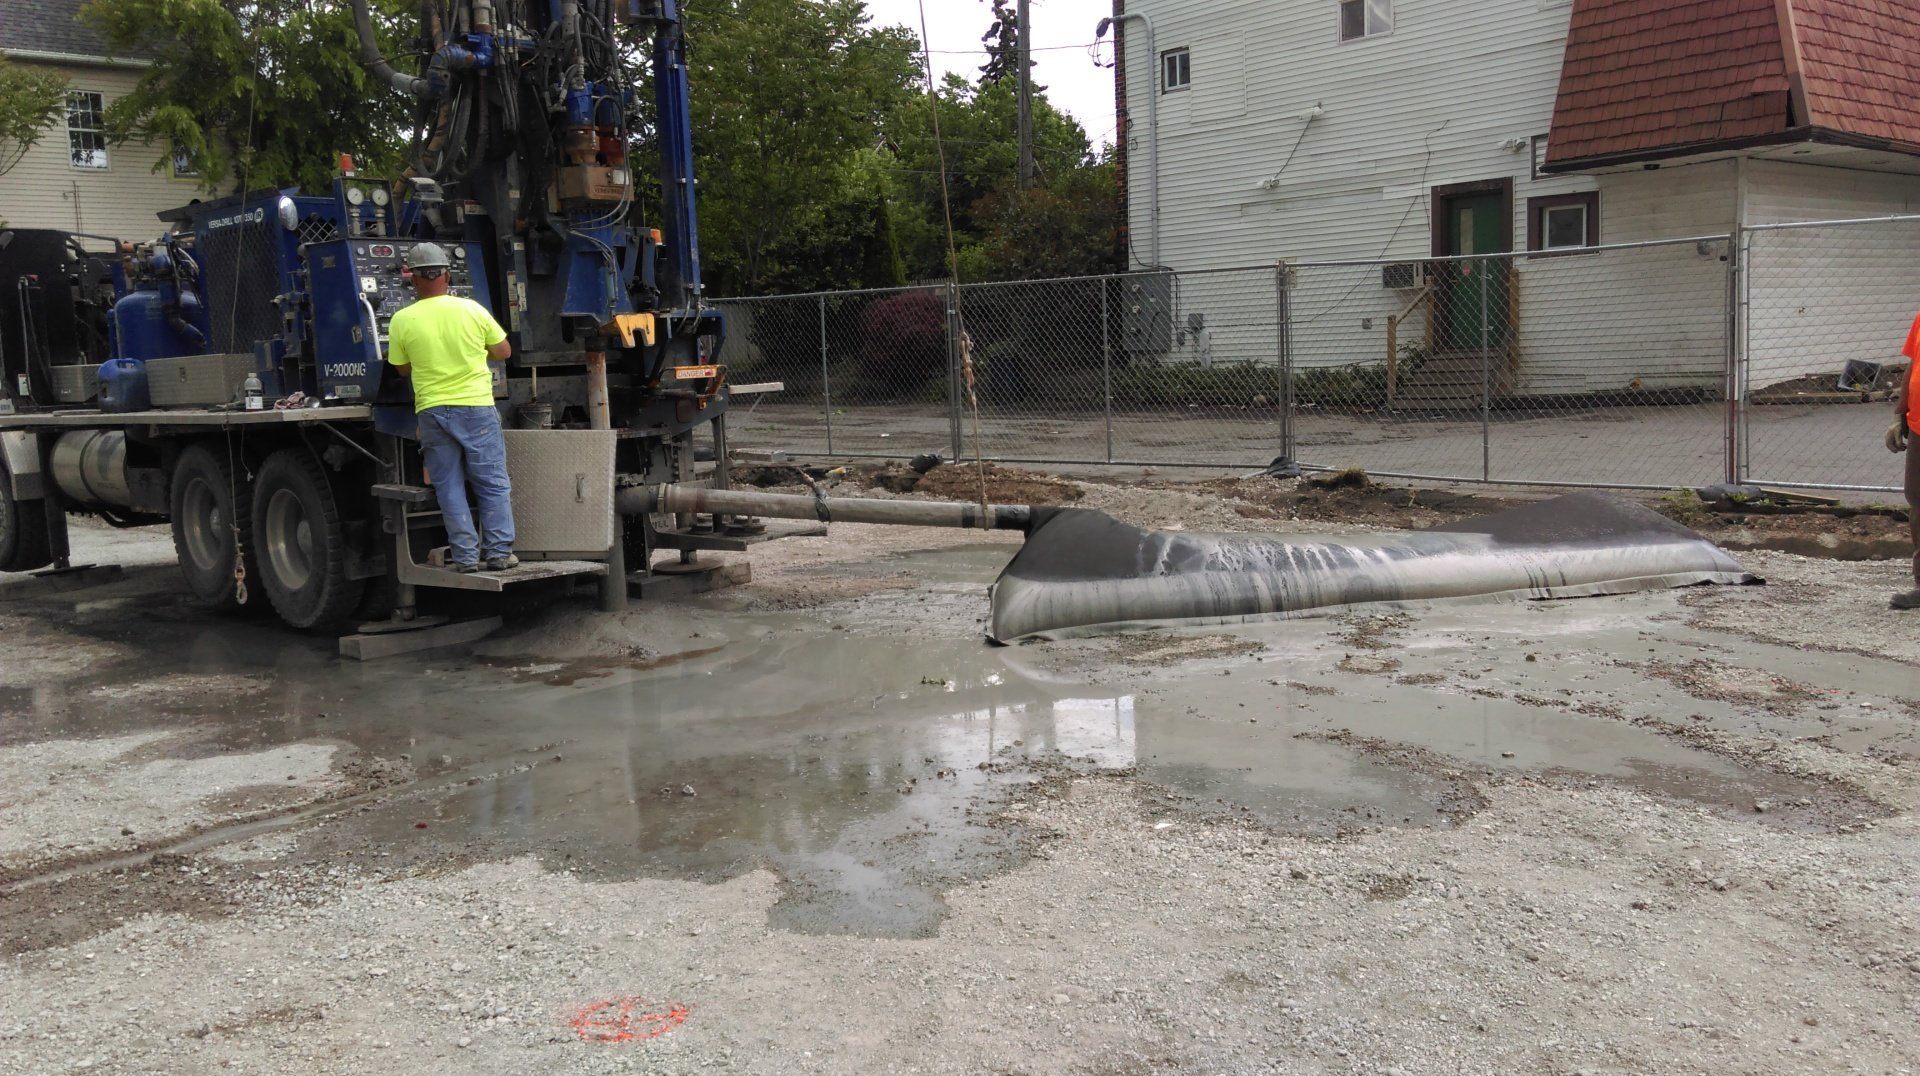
(826, 379)
(957, 442)
(1732, 390)
(1106, 363)
(1486, 377)
(1743, 367)
(1283, 332)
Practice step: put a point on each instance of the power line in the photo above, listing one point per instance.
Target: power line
(699, 16)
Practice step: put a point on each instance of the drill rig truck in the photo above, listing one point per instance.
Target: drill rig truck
(244, 395)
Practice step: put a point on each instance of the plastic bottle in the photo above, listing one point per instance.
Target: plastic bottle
(251, 390)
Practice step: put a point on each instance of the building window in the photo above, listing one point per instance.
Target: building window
(1563, 222)
(1365, 18)
(1176, 70)
(183, 163)
(86, 129)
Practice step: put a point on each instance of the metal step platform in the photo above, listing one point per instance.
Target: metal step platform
(531, 571)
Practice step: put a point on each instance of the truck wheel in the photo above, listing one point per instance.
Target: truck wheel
(300, 544)
(211, 503)
(24, 542)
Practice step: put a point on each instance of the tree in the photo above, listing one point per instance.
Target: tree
(30, 101)
(977, 136)
(265, 91)
(1070, 227)
(1002, 42)
(788, 100)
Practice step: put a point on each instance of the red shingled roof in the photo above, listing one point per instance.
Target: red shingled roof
(1857, 62)
(1645, 78)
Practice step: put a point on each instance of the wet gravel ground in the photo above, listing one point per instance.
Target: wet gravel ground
(1667, 832)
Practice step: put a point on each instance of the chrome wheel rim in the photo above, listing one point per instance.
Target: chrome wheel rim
(204, 525)
(289, 539)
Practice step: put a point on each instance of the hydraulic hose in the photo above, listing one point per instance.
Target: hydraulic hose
(373, 61)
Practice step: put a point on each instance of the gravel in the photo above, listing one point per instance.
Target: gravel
(1544, 920)
(75, 799)
(1554, 931)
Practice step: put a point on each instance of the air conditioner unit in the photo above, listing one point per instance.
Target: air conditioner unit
(1400, 276)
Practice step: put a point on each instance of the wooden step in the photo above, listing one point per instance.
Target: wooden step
(1455, 381)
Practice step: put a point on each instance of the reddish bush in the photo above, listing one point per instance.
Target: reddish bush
(902, 342)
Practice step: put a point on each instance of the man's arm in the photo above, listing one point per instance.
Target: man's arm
(1911, 350)
(397, 358)
(493, 334)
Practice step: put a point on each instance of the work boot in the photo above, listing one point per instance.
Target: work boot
(1909, 600)
(464, 567)
(501, 564)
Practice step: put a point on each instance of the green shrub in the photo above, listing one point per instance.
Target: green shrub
(1361, 386)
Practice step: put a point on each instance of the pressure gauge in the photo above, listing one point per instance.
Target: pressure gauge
(355, 195)
(380, 196)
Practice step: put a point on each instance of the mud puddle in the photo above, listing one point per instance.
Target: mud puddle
(573, 670)
(874, 771)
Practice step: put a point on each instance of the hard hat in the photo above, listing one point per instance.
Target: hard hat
(426, 256)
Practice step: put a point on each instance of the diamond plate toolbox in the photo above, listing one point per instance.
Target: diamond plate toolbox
(562, 490)
(76, 384)
(197, 380)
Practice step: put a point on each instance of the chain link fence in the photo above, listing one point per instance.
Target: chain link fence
(1828, 305)
(1652, 365)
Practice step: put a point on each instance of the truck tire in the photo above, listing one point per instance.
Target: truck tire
(210, 501)
(300, 543)
(24, 542)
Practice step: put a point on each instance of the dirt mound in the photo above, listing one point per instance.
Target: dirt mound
(1814, 534)
(961, 482)
(1352, 497)
(1832, 531)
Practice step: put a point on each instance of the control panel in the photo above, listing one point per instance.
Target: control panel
(357, 286)
(384, 283)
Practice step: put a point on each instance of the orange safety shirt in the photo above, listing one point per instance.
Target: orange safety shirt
(1912, 352)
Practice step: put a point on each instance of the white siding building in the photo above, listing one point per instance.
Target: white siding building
(72, 179)
(1396, 130)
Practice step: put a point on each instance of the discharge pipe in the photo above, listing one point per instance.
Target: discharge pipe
(645, 500)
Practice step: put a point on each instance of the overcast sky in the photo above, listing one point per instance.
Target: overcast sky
(1061, 31)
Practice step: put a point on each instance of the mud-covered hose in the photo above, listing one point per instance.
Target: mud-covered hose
(642, 500)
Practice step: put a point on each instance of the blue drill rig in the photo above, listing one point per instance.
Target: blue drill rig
(243, 393)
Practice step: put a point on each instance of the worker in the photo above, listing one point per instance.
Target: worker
(1904, 436)
(442, 342)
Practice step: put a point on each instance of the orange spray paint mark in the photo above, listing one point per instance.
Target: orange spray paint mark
(627, 1019)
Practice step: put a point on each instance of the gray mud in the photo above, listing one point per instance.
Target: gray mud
(832, 759)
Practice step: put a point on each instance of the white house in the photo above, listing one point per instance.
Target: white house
(1259, 131)
(72, 179)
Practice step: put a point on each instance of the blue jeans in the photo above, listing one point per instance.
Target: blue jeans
(464, 446)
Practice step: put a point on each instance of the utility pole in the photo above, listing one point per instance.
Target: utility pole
(1025, 121)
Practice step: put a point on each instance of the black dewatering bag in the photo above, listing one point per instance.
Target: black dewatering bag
(1083, 571)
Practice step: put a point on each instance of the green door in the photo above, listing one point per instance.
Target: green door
(1474, 224)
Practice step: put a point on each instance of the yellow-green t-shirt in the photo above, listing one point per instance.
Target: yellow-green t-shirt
(445, 339)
